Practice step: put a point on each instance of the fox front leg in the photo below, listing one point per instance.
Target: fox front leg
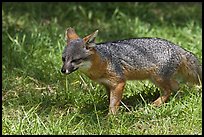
(115, 97)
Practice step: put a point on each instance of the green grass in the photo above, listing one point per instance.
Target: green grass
(38, 99)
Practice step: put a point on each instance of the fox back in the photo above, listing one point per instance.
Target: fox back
(141, 54)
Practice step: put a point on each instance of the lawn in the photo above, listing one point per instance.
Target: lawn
(38, 99)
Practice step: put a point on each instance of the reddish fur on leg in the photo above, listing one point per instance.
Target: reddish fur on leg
(115, 97)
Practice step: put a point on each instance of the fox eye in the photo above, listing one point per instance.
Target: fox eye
(76, 60)
(63, 59)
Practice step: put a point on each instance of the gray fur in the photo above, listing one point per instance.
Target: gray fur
(142, 53)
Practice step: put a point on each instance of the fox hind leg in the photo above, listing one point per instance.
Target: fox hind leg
(174, 85)
(166, 86)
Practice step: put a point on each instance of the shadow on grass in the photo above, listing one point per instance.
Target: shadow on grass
(133, 101)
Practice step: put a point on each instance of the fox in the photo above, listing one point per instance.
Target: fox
(145, 58)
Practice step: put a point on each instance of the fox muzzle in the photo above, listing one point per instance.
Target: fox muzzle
(68, 70)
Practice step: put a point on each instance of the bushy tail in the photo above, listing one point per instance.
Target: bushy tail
(191, 69)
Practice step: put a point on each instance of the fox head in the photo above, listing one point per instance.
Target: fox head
(77, 51)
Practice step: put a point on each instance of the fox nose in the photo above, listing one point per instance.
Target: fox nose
(63, 70)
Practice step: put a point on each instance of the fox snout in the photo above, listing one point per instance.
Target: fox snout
(68, 68)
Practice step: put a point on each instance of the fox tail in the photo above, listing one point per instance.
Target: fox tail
(191, 70)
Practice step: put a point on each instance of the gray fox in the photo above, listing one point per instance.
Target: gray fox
(112, 63)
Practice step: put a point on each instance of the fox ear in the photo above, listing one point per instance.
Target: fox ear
(90, 38)
(70, 34)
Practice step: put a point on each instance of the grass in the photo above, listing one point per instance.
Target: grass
(38, 99)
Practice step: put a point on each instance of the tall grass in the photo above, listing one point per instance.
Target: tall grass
(38, 99)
